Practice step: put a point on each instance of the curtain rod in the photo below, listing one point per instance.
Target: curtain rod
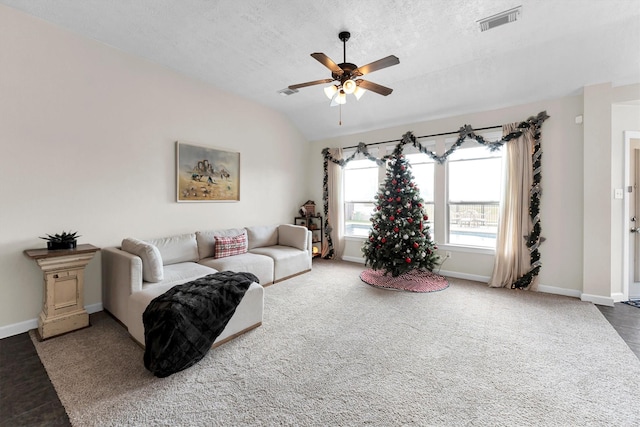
(423, 136)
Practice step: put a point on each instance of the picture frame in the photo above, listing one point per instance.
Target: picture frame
(206, 174)
(300, 221)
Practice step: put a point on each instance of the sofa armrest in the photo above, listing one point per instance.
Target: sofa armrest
(294, 236)
(121, 277)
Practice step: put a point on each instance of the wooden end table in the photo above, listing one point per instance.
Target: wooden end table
(63, 303)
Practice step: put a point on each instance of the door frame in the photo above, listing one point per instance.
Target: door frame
(628, 136)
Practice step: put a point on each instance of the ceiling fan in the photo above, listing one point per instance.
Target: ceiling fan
(346, 74)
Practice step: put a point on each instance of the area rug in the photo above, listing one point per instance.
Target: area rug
(332, 352)
(412, 281)
(633, 303)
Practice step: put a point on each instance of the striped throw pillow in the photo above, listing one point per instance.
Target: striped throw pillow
(228, 246)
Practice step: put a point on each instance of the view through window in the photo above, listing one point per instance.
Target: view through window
(360, 181)
(474, 178)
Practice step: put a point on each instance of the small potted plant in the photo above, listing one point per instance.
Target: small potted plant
(63, 240)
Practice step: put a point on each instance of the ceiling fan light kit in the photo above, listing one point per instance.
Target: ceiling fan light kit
(349, 86)
(347, 76)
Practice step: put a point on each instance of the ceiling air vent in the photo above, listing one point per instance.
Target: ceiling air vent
(501, 18)
(286, 91)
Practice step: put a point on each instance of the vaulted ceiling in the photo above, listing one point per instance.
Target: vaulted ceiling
(254, 48)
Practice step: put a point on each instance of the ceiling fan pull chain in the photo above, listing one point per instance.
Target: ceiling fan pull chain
(340, 121)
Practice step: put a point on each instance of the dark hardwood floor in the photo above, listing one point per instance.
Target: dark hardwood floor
(626, 320)
(27, 397)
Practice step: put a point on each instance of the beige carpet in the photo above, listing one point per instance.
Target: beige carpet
(335, 351)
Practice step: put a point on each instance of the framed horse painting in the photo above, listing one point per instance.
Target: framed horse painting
(206, 174)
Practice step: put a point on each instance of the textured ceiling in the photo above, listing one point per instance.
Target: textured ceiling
(447, 66)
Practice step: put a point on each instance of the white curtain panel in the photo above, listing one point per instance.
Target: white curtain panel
(335, 216)
(512, 255)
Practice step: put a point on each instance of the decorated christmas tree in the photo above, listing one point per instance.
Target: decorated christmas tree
(399, 240)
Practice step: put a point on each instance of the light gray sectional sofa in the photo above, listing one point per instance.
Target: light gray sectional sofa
(138, 271)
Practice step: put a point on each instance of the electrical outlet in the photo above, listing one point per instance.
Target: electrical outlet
(447, 254)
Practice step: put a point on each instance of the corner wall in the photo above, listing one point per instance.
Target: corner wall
(88, 143)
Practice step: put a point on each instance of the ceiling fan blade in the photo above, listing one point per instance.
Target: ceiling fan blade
(374, 87)
(328, 62)
(376, 65)
(315, 82)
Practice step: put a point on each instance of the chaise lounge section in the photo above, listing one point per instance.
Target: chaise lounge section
(138, 271)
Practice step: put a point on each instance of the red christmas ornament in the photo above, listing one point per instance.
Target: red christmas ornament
(392, 218)
(390, 199)
(398, 198)
(425, 217)
(416, 245)
(378, 207)
(399, 210)
(408, 260)
(419, 205)
(396, 229)
(402, 167)
(394, 182)
(410, 220)
(384, 240)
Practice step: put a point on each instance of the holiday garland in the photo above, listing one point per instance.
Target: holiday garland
(466, 131)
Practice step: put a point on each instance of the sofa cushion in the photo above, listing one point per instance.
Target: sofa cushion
(175, 249)
(207, 240)
(287, 261)
(262, 236)
(229, 246)
(152, 270)
(260, 265)
(293, 235)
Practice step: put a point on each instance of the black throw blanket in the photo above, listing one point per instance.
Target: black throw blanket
(181, 325)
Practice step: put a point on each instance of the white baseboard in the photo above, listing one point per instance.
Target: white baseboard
(94, 308)
(559, 291)
(18, 328)
(597, 299)
(353, 259)
(618, 297)
(27, 325)
(466, 276)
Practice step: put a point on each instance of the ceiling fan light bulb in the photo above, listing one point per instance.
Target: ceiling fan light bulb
(330, 91)
(359, 92)
(341, 98)
(349, 86)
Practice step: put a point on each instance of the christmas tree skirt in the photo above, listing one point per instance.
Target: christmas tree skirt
(633, 302)
(412, 281)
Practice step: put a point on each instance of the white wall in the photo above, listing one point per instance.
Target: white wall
(563, 179)
(88, 143)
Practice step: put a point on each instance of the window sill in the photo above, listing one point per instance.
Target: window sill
(466, 249)
(441, 247)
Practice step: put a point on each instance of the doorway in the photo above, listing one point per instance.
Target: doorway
(632, 215)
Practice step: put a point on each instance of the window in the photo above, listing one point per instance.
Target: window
(360, 180)
(461, 197)
(474, 185)
(423, 170)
